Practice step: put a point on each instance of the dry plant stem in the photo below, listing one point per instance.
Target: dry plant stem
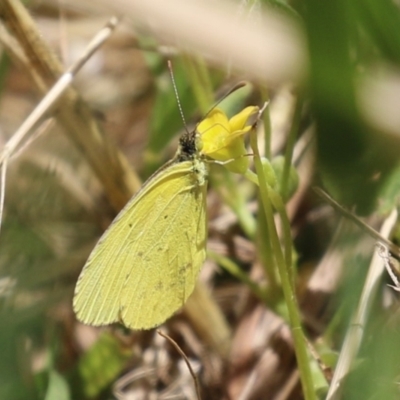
(284, 267)
(180, 351)
(355, 332)
(208, 320)
(348, 214)
(73, 114)
(10, 45)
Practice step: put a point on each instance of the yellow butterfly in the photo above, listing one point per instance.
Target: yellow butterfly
(146, 264)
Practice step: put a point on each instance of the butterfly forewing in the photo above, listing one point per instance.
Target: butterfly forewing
(145, 265)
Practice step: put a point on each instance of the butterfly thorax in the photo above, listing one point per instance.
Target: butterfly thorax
(189, 150)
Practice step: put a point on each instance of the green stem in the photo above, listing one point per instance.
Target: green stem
(234, 270)
(264, 250)
(264, 247)
(284, 267)
(290, 147)
(267, 125)
(279, 205)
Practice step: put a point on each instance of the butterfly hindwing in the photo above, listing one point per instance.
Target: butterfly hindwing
(171, 262)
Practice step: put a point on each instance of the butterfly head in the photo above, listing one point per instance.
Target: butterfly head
(189, 146)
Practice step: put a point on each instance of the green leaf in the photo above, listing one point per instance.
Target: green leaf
(101, 365)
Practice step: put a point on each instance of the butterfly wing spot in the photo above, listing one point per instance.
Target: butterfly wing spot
(182, 270)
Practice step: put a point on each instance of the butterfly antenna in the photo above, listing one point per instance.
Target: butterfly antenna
(171, 72)
(239, 85)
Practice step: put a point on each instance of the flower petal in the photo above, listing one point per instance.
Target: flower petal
(244, 119)
(223, 140)
(214, 131)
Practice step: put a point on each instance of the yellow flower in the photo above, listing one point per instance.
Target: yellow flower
(223, 139)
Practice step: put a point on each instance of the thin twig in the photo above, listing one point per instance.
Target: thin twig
(348, 214)
(180, 351)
